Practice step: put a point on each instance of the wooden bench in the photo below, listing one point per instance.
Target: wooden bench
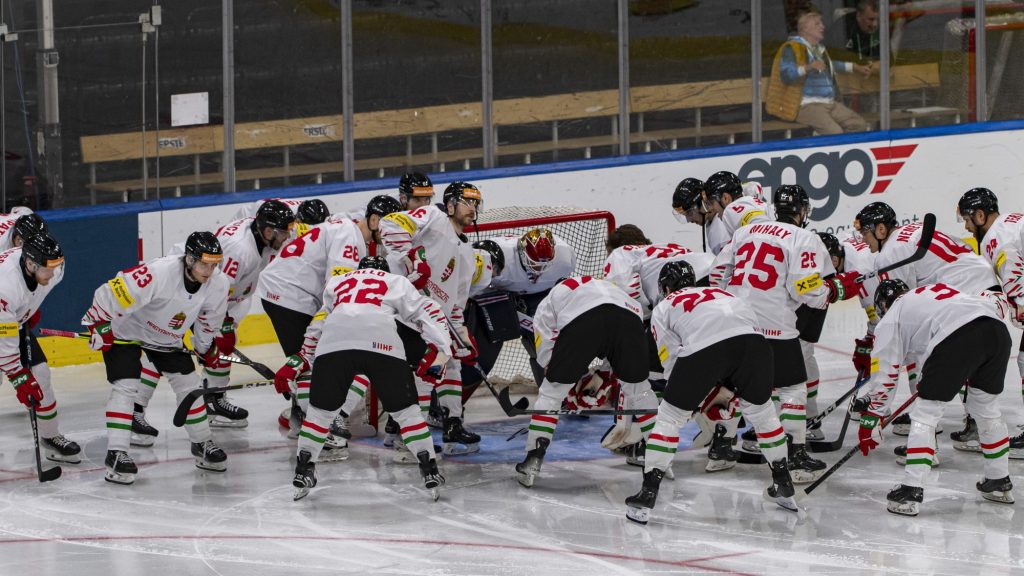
(432, 121)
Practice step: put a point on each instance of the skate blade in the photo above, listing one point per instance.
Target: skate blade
(123, 479)
(211, 466)
(967, 447)
(1000, 497)
(751, 446)
(435, 493)
(66, 459)
(452, 449)
(222, 422)
(300, 493)
(815, 435)
(333, 442)
(334, 454)
(719, 465)
(904, 509)
(1016, 454)
(638, 515)
(142, 441)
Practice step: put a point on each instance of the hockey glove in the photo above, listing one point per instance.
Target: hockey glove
(431, 367)
(468, 354)
(870, 434)
(211, 357)
(417, 267)
(862, 354)
(843, 286)
(225, 342)
(26, 387)
(101, 337)
(295, 365)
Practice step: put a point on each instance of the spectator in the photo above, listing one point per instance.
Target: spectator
(802, 86)
(860, 31)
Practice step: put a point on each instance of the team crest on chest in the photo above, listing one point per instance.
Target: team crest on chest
(177, 321)
(448, 270)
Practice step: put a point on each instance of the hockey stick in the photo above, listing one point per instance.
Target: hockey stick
(927, 233)
(885, 422)
(520, 405)
(239, 358)
(181, 413)
(51, 473)
(86, 335)
(813, 422)
(832, 445)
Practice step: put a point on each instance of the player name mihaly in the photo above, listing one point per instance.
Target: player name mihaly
(770, 229)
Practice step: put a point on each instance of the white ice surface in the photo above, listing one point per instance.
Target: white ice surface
(369, 515)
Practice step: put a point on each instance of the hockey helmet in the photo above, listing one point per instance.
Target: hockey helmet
(874, 214)
(887, 293)
(382, 206)
(274, 214)
(723, 182)
(29, 225)
(375, 262)
(42, 249)
(790, 200)
(415, 184)
(832, 245)
(976, 199)
(687, 195)
(676, 275)
(312, 212)
(203, 247)
(536, 250)
(492, 248)
(458, 191)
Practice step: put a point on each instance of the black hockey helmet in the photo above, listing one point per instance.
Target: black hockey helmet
(462, 190)
(382, 206)
(875, 213)
(832, 245)
(375, 262)
(492, 248)
(29, 225)
(791, 200)
(887, 293)
(415, 184)
(687, 195)
(203, 247)
(274, 214)
(977, 199)
(676, 275)
(312, 212)
(42, 249)
(722, 182)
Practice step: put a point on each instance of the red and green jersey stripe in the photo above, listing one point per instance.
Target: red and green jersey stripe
(47, 412)
(647, 422)
(149, 377)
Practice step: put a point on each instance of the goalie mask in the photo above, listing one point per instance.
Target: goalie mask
(536, 251)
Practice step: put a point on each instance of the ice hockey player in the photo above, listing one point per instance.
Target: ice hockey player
(27, 275)
(428, 245)
(583, 318)
(959, 337)
(154, 304)
(415, 190)
(727, 208)
(307, 212)
(355, 333)
(775, 267)
(687, 205)
(14, 230)
(706, 337)
(291, 286)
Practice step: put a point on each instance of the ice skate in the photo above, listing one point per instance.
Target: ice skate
(432, 478)
(901, 425)
(391, 432)
(901, 456)
(967, 439)
(224, 414)
(720, 454)
(295, 418)
(59, 449)
(749, 438)
(121, 468)
(639, 505)
(802, 467)
(457, 440)
(781, 491)
(1017, 446)
(305, 475)
(209, 456)
(996, 490)
(402, 454)
(528, 469)
(635, 453)
(339, 428)
(905, 500)
(335, 449)
(143, 434)
(814, 434)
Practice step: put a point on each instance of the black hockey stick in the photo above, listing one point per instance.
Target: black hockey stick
(181, 413)
(51, 473)
(262, 369)
(927, 233)
(885, 422)
(813, 422)
(832, 445)
(520, 405)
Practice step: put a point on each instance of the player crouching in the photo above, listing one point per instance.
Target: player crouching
(152, 305)
(706, 336)
(961, 338)
(355, 333)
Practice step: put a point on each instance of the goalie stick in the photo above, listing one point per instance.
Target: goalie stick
(49, 474)
(181, 413)
(927, 233)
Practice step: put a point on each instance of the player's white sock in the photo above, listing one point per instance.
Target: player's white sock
(664, 438)
(449, 391)
(119, 414)
(314, 431)
(46, 413)
(423, 390)
(302, 384)
(813, 377)
(196, 424)
(792, 411)
(549, 397)
(924, 415)
(413, 429)
(992, 436)
(148, 380)
(217, 375)
(356, 395)
(770, 436)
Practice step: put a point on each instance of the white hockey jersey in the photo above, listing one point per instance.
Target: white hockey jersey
(359, 313)
(915, 324)
(515, 279)
(741, 212)
(242, 264)
(567, 301)
(249, 210)
(449, 255)
(17, 304)
(1003, 247)
(635, 269)
(858, 256)
(295, 279)
(775, 267)
(948, 261)
(7, 226)
(149, 303)
(692, 319)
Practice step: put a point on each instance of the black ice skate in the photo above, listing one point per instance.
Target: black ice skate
(305, 475)
(335, 449)
(781, 491)
(224, 414)
(802, 467)
(209, 456)
(528, 469)
(635, 453)
(143, 434)
(339, 428)
(905, 500)
(121, 469)
(720, 454)
(1017, 447)
(901, 425)
(814, 433)
(996, 490)
(432, 478)
(639, 505)
(967, 439)
(391, 431)
(749, 438)
(60, 449)
(457, 440)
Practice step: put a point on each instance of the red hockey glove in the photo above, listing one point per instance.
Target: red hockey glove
(211, 357)
(33, 320)
(870, 434)
(468, 354)
(843, 286)
(295, 365)
(431, 367)
(225, 342)
(26, 387)
(419, 270)
(862, 354)
(101, 337)
(717, 412)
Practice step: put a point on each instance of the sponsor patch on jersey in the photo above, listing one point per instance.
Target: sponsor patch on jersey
(750, 216)
(177, 321)
(339, 270)
(874, 366)
(9, 330)
(402, 220)
(479, 269)
(536, 341)
(447, 273)
(805, 285)
(663, 354)
(1000, 260)
(320, 315)
(121, 294)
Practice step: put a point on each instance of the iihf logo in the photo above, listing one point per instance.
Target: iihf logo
(177, 322)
